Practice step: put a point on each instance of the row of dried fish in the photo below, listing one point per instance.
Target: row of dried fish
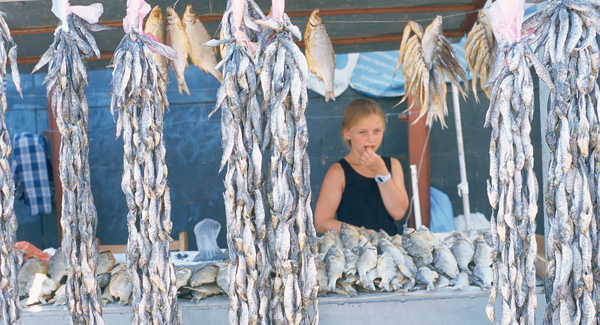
(10, 308)
(139, 97)
(359, 260)
(427, 57)
(65, 82)
(186, 37)
(567, 32)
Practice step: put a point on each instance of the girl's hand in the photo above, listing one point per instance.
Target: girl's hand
(372, 161)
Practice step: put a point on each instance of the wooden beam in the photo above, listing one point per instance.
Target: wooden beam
(336, 41)
(384, 10)
(382, 38)
(295, 14)
(471, 17)
(36, 59)
(55, 140)
(418, 154)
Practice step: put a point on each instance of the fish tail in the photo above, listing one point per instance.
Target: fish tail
(183, 86)
(329, 95)
(218, 74)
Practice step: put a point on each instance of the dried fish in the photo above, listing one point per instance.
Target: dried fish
(203, 57)
(139, 97)
(513, 188)
(178, 40)
(65, 82)
(478, 53)
(319, 52)
(426, 57)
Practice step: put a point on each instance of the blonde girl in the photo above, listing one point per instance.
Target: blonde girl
(363, 189)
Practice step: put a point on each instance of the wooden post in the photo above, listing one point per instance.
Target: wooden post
(55, 139)
(418, 154)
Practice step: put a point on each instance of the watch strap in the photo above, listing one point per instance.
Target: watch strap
(382, 179)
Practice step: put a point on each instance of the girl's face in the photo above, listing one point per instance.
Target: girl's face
(367, 133)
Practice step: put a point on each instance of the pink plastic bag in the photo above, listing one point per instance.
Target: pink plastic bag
(506, 18)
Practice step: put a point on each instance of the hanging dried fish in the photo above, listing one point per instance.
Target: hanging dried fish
(272, 272)
(155, 27)
(65, 82)
(567, 31)
(178, 40)
(250, 282)
(10, 261)
(203, 57)
(139, 97)
(479, 53)
(284, 75)
(319, 52)
(512, 187)
(426, 58)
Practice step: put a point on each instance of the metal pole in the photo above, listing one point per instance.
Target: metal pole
(463, 187)
(415, 190)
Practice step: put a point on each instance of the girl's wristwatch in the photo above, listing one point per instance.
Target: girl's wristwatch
(383, 179)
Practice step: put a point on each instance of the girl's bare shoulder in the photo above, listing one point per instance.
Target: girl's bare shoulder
(335, 170)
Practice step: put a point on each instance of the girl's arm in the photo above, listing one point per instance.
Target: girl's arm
(329, 200)
(394, 193)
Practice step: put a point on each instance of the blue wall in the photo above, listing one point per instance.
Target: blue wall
(194, 151)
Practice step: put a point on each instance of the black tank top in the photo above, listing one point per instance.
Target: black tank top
(361, 203)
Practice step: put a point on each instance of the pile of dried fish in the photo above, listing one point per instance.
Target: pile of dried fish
(65, 82)
(139, 97)
(43, 283)
(513, 187)
(425, 58)
(567, 31)
(358, 260)
(319, 52)
(10, 308)
(272, 272)
(478, 53)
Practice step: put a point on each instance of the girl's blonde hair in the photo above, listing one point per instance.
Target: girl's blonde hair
(356, 111)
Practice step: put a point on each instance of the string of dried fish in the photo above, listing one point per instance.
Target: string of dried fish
(272, 272)
(139, 97)
(65, 82)
(572, 56)
(242, 130)
(426, 58)
(513, 187)
(479, 53)
(292, 237)
(10, 261)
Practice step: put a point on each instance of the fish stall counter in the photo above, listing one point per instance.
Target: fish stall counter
(441, 306)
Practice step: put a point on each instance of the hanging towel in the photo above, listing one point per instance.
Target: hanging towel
(31, 169)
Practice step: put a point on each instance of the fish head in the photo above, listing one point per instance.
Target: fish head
(435, 27)
(172, 16)
(190, 14)
(315, 18)
(156, 13)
